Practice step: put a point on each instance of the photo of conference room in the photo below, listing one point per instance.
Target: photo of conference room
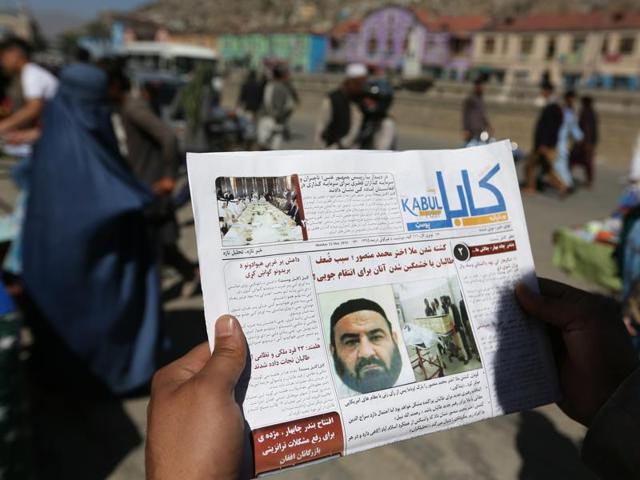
(254, 210)
(436, 328)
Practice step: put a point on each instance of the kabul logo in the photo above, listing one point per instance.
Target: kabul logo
(421, 206)
(434, 205)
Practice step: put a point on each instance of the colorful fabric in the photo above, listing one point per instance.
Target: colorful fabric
(585, 259)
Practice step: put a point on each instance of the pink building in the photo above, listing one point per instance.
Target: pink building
(388, 37)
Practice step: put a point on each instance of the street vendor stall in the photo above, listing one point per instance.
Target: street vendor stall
(586, 252)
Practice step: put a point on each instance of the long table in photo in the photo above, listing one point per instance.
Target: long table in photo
(262, 222)
(587, 257)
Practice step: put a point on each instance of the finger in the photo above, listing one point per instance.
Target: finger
(548, 309)
(225, 366)
(243, 381)
(195, 360)
(182, 369)
(553, 289)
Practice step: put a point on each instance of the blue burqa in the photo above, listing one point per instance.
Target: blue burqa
(88, 262)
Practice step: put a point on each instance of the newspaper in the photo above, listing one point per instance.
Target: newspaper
(375, 290)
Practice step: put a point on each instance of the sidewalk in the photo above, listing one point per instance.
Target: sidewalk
(541, 444)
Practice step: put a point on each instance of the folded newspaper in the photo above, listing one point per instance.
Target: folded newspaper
(375, 290)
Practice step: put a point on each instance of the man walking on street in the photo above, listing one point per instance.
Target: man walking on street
(545, 142)
(340, 118)
(474, 113)
(251, 92)
(151, 148)
(277, 106)
(583, 152)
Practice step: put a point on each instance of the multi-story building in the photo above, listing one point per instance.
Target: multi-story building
(126, 28)
(406, 39)
(597, 49)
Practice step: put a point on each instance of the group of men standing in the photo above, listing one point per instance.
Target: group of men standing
(269, 101)
(353, 116)
(356, 114)
(561, 140)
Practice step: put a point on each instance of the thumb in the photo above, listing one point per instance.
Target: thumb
(223, 369)
(546, 309)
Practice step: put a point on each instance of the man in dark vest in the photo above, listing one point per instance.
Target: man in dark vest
(340, 118)
(545, 140)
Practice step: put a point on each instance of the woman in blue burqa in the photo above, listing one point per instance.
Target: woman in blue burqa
(89, 266)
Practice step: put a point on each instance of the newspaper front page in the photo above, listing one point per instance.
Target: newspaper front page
(375, 290)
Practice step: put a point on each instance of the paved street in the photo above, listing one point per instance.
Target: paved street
(92, 441)
(531, 445)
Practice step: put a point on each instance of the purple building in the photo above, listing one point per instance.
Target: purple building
(404, 39)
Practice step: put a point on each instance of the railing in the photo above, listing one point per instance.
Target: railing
(613, 101)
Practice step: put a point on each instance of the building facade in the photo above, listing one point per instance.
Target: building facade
(133, 28)
(303, 52)
(590, 49)
(407, 40)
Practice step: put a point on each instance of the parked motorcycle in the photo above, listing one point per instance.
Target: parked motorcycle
(229, 130)
(485, 139)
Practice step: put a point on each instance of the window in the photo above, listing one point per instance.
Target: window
(526, 45)
(578, 44)
(489, 45)
(430, 43)
(390, 36)
(521, 76)
(458, 45)
(372, 45)
(146, 61)
(184, 65)
(390, 45)
(627, 44)
(551, 48)
(605, 46)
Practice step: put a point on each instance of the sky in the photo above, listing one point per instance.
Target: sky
(82, 8)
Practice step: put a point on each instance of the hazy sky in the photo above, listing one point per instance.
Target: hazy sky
(83, 8)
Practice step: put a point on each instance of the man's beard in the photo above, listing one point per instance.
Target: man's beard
(373, 381)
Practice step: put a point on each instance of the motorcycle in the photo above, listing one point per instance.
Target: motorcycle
(485, 139)
(228, 130)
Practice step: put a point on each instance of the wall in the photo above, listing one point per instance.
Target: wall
(392, 30)
(304, 52)
(388, 28)
(317, 53)
(200, 39)
(587, 62)
(436, 51)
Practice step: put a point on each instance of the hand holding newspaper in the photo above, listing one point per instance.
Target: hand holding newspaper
(375, 290)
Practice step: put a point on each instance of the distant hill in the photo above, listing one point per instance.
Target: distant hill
(320, 15)
(54, 22)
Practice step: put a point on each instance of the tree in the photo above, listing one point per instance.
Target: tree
(68, 42)
(97, 29)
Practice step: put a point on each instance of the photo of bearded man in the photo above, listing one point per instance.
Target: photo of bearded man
(364, 346)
